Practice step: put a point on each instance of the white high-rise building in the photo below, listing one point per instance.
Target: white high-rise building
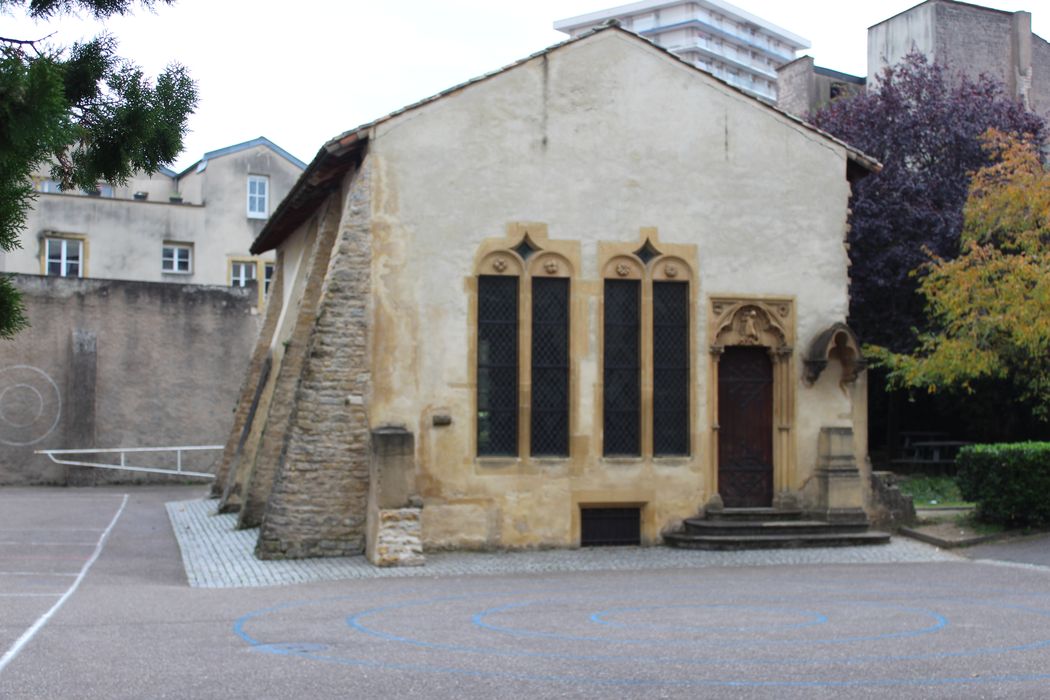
(734, 45)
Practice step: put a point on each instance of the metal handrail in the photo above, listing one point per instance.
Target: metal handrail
(122, 451)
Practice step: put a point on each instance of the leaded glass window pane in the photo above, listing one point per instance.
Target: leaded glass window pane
(670, 368)
(550, 367)
(497, 365)
(622, 371)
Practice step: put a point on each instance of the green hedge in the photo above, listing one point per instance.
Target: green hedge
(1009, 482)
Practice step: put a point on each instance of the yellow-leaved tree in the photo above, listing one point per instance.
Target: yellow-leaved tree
(989, 308)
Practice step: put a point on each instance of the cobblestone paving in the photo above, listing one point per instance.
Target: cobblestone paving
(216, 555)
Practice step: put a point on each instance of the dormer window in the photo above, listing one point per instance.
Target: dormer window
(258, 196)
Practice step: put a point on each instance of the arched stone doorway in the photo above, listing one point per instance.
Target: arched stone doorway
(752, 399)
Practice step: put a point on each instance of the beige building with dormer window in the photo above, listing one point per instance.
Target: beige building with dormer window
(193, 227)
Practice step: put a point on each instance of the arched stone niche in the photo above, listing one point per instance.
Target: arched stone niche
(837, 342)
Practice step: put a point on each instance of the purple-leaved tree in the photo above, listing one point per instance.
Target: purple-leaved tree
(924, 124)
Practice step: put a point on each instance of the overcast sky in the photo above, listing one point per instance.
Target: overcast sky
(300, 72)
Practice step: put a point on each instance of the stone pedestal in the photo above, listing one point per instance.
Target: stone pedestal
(840, 488)
(398, 538)
(394, 534)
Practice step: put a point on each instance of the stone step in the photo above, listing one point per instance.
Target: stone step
(754, 514)
(699, 526)
(732, 542)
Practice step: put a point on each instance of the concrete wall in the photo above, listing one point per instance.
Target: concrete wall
(970, 39)
(893, 39)
(1040, 95)
(975, 40)
(120, 364)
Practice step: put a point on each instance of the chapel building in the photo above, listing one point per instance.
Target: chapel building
(596, 286)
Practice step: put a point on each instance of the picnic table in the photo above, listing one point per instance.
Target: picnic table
(930, 456)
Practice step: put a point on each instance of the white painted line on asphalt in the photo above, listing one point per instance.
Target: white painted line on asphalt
(59, 497)
(51, 529)
(1013, 564)
(50, 544)
(36, 573)
(28, 635)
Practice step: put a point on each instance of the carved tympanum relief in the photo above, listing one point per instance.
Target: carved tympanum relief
(752, 322)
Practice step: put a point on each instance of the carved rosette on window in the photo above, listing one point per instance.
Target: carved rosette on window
(521, 362)
(502, 263)
(837, 342)
(762, 323)
(624, 268)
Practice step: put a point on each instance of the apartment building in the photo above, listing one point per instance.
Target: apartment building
(732, 44)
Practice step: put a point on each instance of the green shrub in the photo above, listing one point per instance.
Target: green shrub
(1009, 482)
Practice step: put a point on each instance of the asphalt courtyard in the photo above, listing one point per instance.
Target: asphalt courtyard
(94, 603)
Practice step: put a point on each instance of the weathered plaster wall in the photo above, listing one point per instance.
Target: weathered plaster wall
(586, 141)
(153, 365)
(1040, 95)
(893, 39)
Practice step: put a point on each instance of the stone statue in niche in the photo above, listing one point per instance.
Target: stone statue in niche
(751, 323)
(749, 334)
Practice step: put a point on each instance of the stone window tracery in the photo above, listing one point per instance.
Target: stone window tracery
(523, 368)
(647, 368)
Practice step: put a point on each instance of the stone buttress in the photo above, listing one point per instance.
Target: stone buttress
(320, 494)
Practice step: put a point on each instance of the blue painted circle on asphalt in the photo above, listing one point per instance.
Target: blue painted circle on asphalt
(810, 618)
(313, 651)
(481, 619)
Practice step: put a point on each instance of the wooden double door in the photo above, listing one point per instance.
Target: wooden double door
(745, 427)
